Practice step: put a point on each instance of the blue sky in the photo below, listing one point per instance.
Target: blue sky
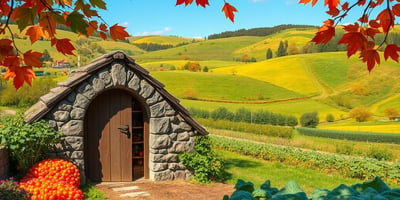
(162, 17)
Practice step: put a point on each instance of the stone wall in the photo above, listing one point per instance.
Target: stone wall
(169, 133)
(4, 164)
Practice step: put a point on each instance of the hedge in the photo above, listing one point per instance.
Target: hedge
(351, 135)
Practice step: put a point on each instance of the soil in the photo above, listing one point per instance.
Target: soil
(166, 190)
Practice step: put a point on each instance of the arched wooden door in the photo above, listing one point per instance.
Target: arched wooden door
(108, 137)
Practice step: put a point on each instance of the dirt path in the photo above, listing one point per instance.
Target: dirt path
(165, 190)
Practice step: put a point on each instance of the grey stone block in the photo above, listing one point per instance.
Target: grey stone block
(160, 141)
(62, 116)
(134, 83)
(78, 114)
(118, 74)
(146, 90)
(73, 128)
(81, 101)
(160, 126)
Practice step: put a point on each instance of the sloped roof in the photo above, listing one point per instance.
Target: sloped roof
(63, 89)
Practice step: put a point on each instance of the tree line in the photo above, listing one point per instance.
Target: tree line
(257, 31)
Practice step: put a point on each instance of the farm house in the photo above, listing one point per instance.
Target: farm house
(118, 122)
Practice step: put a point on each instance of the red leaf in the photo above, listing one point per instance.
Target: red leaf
(371, 56)
(325, 33)
(333, 12)
(332, 3)
(20, 75)
(345, 6)
(5, 47)
(229, 11)
(374, 24)
(33, 58)
(361, 2)
(103, 36)
(202, 3)
(34, 33)
(93, 26)
(103, 27)
(187, 2)
(63, 46)
(391, 51)
(371, 32)
(118, 32)
(396, 9)
(308, 1)
(354, 39)
(386, 20)
(363, 19)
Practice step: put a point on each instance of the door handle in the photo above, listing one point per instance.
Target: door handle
(125, 130)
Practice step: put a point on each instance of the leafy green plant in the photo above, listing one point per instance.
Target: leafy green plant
(330, 118)
(374, 189)
(26, 143)
(380, 153)
(9, 190)
(204, 161)
(91, 192)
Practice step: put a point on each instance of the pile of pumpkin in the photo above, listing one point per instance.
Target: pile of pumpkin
(53, 179)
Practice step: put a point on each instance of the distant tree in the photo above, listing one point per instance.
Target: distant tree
(292, 121)
(46, 56)
(391, 112)
(245, 58)
(192, 66)
(292, 48)
(360, 114)
(205, 69)
(359, 89)
(282, 49)
(269, 53)
(309, 119)
(330, 118)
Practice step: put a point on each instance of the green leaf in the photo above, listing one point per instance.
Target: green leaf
(392, 194)
(241, 195)
(25, 16)
(319, 194)
(78, 25)
(376, 184)
(291, 188)
(98, 3)
(245, 186)
(342, 192)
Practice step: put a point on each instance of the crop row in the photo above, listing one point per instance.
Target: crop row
(351, 135)
(268, 130)
(355, 167)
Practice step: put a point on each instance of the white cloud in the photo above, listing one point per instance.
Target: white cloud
(125, 23)
(255, 1)
(158, 32)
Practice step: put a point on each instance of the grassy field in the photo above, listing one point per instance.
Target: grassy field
(210, 64)
(295, 108)
(218, 49)
(295, 37)
(378, 127)
(258, 171)
(287, 72)
(172, 40)
(220, 86)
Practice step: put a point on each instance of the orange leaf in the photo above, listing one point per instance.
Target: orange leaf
(93, 25)
(21, 75)
(391, 51)
(332, 3)
(103, 36)
(308, 1)
(229, 11)
(63, 46)
(202, 3)
(34, 33)
(325, 33)
(371, 56)
(33, 58)
(118, 32)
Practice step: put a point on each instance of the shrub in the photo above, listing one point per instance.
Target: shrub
(190, 94)
(292, 121)
(380, 153)
(360, 114)
(309, 119)
(330, 118)
(205, 162)
(242, 115)
(9, 190)
(26, 143)
(391, 112)
(222, 113)
(199, 113)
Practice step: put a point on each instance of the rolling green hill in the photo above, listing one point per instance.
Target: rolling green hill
(172, 40)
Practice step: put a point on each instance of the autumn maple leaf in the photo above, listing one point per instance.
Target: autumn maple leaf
(308, 1)
(187, 2)
(34, 33)
(332, 3)
(202, 3)
(391, 51)
(118, 32)
(371, 56)
(229, 11)
(386, 20)
(20, 75)
(63, 46)
(5, 47)
(33, 58)
(325, 33)
(354, 39)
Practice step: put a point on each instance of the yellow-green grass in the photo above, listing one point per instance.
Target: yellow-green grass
(258, 171)
(295, 37)
(295, 108)
(218, 49)
(220, 86)
(391, 102)
(345, 147)
(165, 40)
(287, 72)
(109, 45)
(211, 64)
(352, 125)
